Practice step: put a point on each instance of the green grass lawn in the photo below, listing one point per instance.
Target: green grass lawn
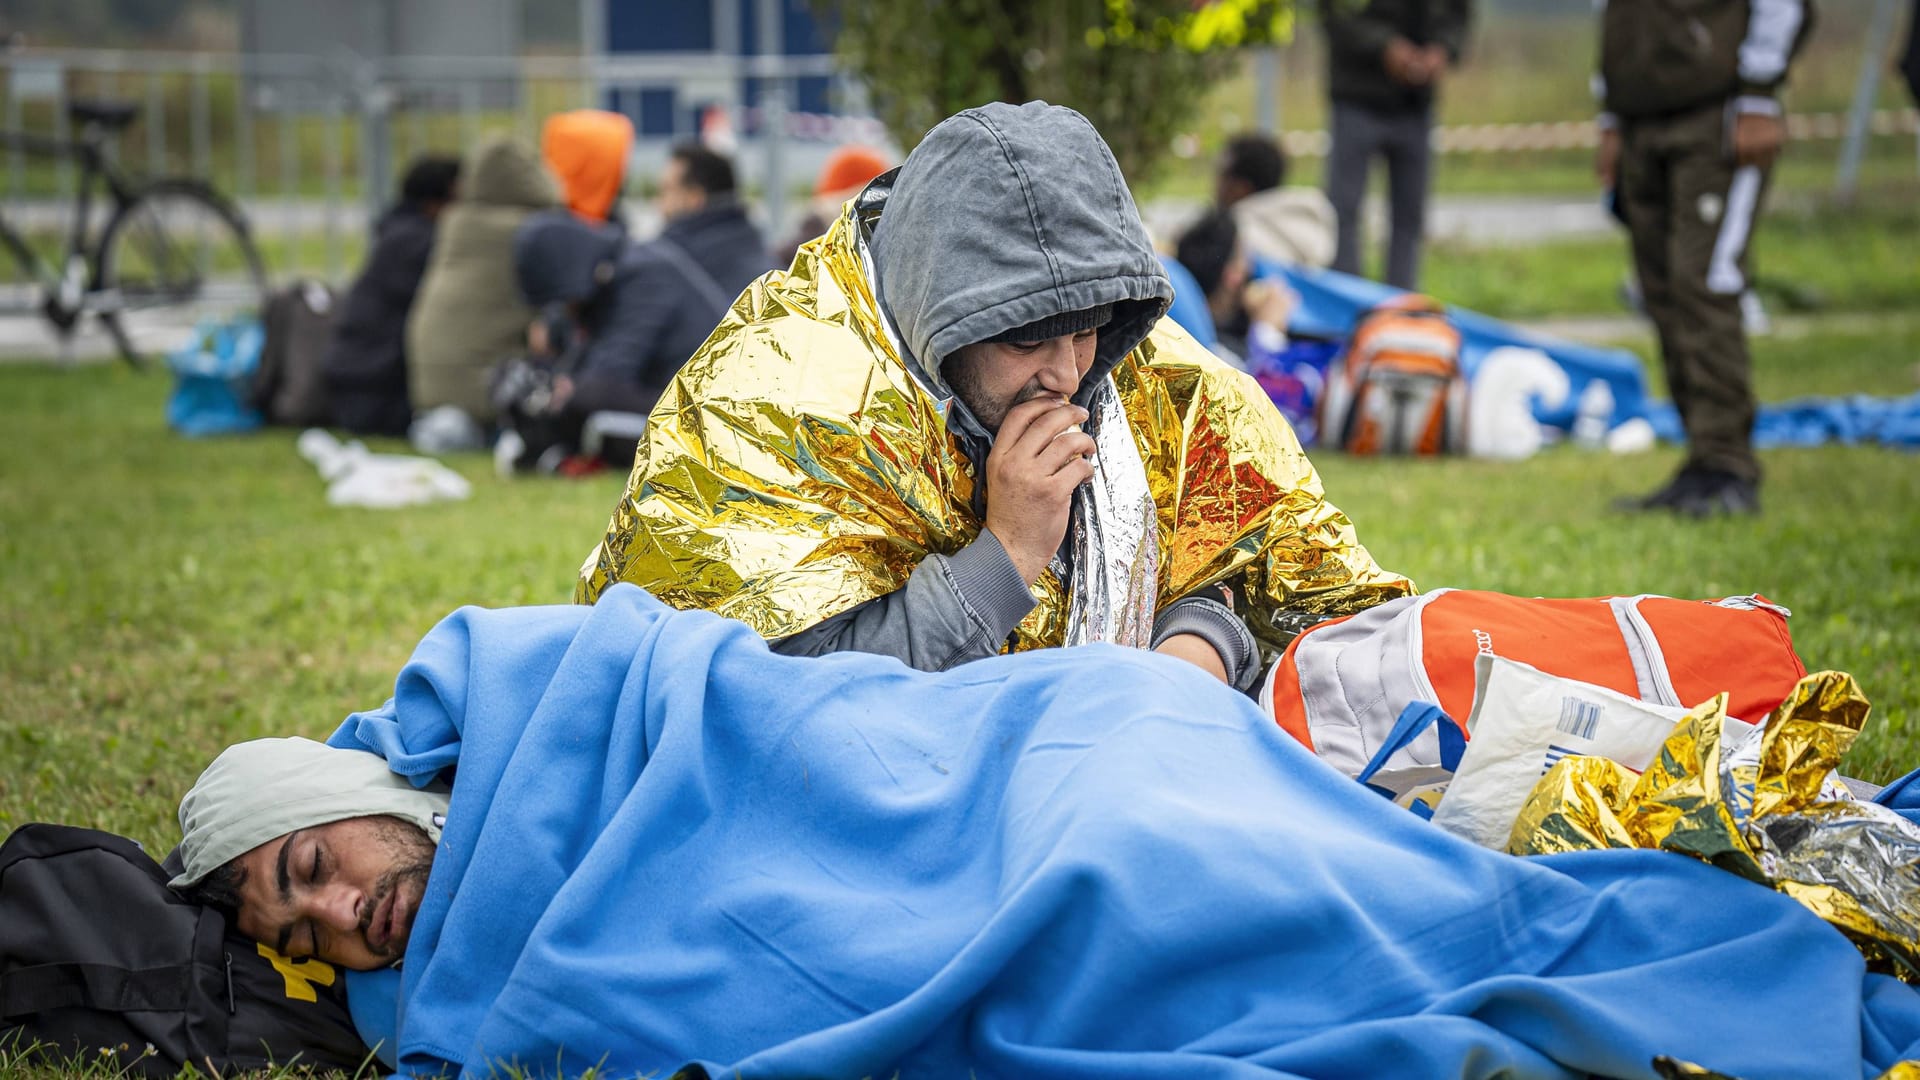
(164, 597)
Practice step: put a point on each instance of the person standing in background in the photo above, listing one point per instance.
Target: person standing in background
(1386, 60)
(1689, 134)
(1909, 62)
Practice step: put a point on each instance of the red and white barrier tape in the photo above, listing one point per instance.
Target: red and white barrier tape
(1581, 135)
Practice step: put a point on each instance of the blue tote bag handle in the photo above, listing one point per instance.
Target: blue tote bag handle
(1414, 720)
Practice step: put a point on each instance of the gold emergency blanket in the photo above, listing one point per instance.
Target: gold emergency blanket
(796, 468)
(1763, 804)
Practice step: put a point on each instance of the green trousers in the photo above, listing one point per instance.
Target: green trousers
(1691, 212)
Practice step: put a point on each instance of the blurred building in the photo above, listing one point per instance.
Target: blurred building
(712, 39)
(349, 37)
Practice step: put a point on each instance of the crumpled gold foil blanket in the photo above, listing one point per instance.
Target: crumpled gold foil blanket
(1760, 804)
(796, 468)
(1674, 1069)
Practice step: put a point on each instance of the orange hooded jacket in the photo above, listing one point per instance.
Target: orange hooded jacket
(587, 152)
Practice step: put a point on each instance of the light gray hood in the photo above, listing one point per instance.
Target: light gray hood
(1005, 215)
(264, 789)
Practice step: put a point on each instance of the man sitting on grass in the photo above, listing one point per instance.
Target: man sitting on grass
(958, 426)
(664, 843)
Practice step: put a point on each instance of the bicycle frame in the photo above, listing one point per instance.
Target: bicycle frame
(89, 279)
(68, 283)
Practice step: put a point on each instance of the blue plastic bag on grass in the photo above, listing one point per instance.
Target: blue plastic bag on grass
(211, 376)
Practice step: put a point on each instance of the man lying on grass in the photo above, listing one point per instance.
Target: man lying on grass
(638, 838)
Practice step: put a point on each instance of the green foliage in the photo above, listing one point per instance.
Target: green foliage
(1137, 68)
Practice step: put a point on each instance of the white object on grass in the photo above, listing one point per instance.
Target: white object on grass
(1593, 415)
(1500, 420)
(446, 429)
(1524, 720)
(356, 476)
(1634, 436)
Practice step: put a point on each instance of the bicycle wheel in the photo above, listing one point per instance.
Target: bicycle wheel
(176, 254)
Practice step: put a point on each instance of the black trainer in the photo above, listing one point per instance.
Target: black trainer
(1720, 493)
(1665, 498)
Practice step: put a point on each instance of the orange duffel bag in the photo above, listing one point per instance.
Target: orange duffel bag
(1342, 684)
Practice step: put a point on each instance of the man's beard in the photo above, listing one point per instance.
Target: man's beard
(411, 854)
(965, 380)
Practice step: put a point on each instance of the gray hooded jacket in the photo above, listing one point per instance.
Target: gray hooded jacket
(1002, 216)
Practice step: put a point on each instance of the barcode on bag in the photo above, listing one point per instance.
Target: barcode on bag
(1554, 754)
(1578, 718)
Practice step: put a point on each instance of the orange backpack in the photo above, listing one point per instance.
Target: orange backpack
(1398, 388)
(1342, 684)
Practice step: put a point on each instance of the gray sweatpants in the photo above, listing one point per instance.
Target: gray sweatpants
(1403, 138)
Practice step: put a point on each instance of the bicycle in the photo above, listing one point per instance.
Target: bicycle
(170, 244)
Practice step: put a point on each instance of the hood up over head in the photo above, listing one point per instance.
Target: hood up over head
(558, 257)
(587, 151)
(264, 789)
(1008, 216)
(502, 171)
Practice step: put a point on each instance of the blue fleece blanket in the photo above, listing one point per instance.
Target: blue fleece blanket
(667, 844)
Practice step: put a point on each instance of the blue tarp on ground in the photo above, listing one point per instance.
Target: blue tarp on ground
(666, 842)
(1331, 301)
(1891, 422)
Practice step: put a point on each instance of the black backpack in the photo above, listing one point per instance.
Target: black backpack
(96, 951)
(290, 386)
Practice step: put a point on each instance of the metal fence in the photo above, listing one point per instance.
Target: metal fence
(309, 145)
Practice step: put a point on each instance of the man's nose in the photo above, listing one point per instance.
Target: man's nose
(337, 907)
(1059, 367)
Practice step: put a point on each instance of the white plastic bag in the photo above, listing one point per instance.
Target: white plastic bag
(1524, 720)
(1500, 422)
(357, 477)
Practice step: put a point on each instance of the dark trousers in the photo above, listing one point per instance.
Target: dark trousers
(1404, 139)
(1691, 211)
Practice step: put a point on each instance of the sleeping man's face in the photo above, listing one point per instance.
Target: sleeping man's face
(345, 892)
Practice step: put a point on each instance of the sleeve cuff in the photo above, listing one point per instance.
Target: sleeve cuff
(1607, 121)
(989, 584)
(1757, 104)
(1218, 626)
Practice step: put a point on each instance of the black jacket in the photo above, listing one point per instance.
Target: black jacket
(1357, 35)
(1659, 58)
(366, 358)
(1910, 57)
(645, 306)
